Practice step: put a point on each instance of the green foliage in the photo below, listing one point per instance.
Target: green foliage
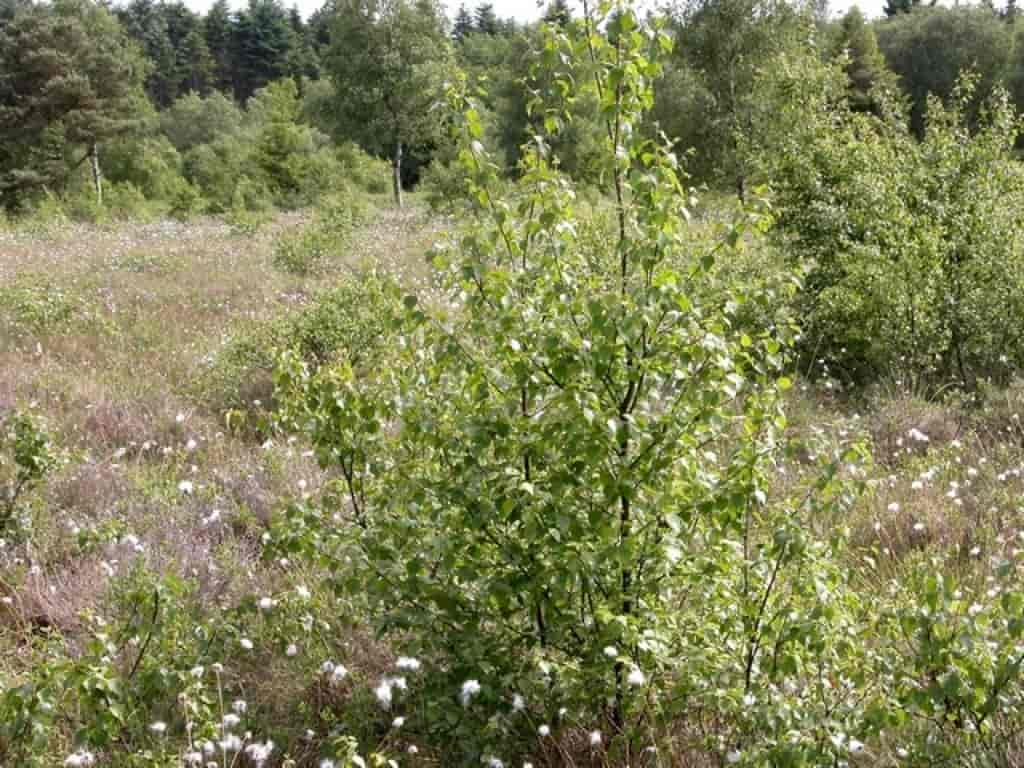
(348, 322)
(43, 216)
(150, 163)
(726, 44)
(125, 201)
(918, 48)
(578, 443)
(171, 36)
(221, 169)
(865, 65)
(914, 248)
(966, 663)
(388, 59)
(362, 171)
(193, 120)
(311, 248)
(26, 458)
(32, 304)
(263, 40)
(185, 201)
(71, 82)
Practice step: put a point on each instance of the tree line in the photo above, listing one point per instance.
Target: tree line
(78, 76)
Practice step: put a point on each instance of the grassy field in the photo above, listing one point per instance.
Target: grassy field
(116, 341)
(110, 337)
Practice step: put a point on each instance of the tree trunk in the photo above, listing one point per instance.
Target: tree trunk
(396, 168)
(97, 174)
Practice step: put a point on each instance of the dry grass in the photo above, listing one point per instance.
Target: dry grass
(115, 383)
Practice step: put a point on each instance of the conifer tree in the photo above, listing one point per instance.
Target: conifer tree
(70, 80)
(865, 69)
(558, 13)
(485, 20)
(145, 21)
(263, 45)
(463, 23)
(218, 29)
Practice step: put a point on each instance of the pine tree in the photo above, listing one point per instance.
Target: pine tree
(264, 41)
(192, 64)
(866, 67)
(9, 7)
(146, 23)
(896, 7)
(303, 60)
(463, 23)
(199, 67)
(558, 13)
(486, 21)
(70, 80)
(218, 29)
(320, 27)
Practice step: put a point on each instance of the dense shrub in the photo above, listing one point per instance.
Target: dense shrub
(219, 169)
(185, 200)
(193, 120)
(370, 174)
(150, 163)
(347, 322)
(309, 249)
(914, 247)
(26, 458)
(123, 200)
(569, 463)
(33, 304)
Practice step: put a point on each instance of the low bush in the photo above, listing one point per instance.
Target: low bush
(150, 163)
(41, 216)
(185, 201)
(310, 249)
(370, 174)
(26, 458)
(347, 322)
(126, 202)
(33, 304)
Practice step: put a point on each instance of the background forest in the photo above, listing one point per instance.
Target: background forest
(183, 112)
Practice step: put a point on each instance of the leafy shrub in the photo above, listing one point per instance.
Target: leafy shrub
(26, 458)
(346, 322)
(571, 463)
(241, 370)
(349, 322)
(295, 159)
(953, 662)
(218, 169)
(125, 201)
(185, 201)
(916, 255)
(150, 163)
(244, 221)
(310, 249)
(82, 205)
(304, 252)
(444, 185)
(42, 215)
(194, 120)
(370, 174)
(33, 304)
